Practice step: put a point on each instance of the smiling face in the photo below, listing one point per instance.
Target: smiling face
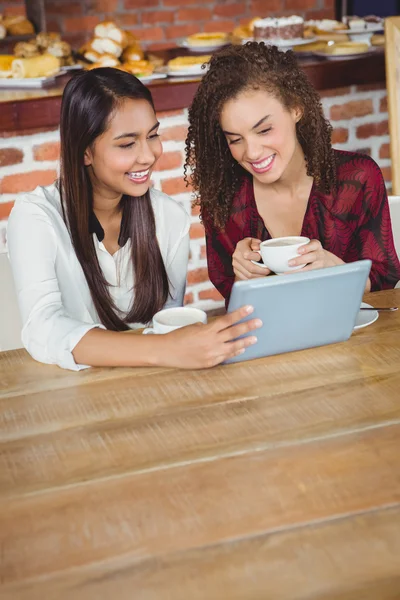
(261, 134)
(122, 159)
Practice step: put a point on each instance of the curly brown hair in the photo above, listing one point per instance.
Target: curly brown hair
(210, 168)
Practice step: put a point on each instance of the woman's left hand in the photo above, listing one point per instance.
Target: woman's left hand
(315, 257)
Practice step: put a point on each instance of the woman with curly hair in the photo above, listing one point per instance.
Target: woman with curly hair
(259, 157)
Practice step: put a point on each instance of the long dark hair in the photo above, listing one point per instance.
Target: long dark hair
(210, 168)
(89, 100)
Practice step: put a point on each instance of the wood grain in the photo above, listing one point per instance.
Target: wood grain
(209, 484)
(199, 504)
(117, 446)
(354, 558)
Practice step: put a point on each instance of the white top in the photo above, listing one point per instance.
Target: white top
(53, 296)
(278, 21)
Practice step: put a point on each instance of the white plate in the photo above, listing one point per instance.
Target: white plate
(201, 49)
(152, 77)
(373, 50)
(366, 317)
(284, 43)
(72, 67)
(194, 71)
(29, 82)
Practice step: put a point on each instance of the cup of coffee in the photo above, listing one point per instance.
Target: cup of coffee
(169, 319)
(277, 252)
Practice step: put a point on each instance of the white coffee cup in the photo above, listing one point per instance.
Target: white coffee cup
(277, 252)
(169, 319)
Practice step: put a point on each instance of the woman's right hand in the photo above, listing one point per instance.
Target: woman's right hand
(245, 252)
(202, 346)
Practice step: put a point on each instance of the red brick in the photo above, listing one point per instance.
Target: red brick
(86, 23)
(196, 231)
(230, 10)
(135, 4)
(148, 33)
(383, 106)
(5, 209)
(10, 156)
(169, 160)
(340, 135)
(342, 91)
(178, 3)
(162, 45)
(15, 9)
(211, 294)
(259, 7)
(177, 133)
(158, 16)
(47, 151)
(180, 31)
(19, 132)
(384, 151)
(26, 182)
(188, 299)
(387, 173)
(175, 185)
(372, 129)
(55, 8)
(55, 25)
(354, 108)
(126, 20)
(225, 26)
(197, 275)
(299, 4)
(101, 6)
(326, 13)
(193, 14)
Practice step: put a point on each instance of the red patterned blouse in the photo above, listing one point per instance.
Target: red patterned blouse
(353, 223)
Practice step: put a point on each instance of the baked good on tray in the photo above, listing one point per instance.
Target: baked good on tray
(345, 48)
(186, 62)
(43, 65)
(6, 61)
(284, 28)
(216, 38)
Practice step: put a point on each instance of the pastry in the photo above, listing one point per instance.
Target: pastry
(6, 61)
(207, 39)
(106, 46)
(347, 48)
(109, 30)
(3, 31)
(284, 28)
(26, 49)
(378, 39)
(317, 46)
(139, 67)
(44, 65)
(18, 25)
(44, 40)
(133, 52)
(185, 62)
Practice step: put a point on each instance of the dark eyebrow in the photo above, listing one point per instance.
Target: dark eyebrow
(254, 127)
(135, 135)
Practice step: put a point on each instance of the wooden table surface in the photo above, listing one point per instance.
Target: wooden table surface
(273, 479)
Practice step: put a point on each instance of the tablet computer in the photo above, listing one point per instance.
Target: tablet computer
(302, 310)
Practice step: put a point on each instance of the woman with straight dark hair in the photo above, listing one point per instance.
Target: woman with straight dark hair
(99, 252)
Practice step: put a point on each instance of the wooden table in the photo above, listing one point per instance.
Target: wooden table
(273, 479)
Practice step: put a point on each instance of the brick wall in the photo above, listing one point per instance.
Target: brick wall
(358, 115)
(160, 23)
